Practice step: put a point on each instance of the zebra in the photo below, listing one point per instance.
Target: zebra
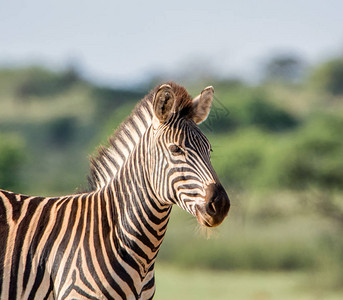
(102, 244)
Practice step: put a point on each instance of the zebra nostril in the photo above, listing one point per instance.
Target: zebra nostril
(212, 207)
(216, 206)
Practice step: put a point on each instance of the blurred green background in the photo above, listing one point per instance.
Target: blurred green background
(70, 73)
(278, 150)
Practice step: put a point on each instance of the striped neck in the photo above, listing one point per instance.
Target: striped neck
(106, 165)
(140, 220)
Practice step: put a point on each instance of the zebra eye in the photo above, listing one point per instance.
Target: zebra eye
(175, 150)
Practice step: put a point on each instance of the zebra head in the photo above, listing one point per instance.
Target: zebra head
(180, 168)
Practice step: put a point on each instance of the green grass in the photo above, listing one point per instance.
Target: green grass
(175, 283)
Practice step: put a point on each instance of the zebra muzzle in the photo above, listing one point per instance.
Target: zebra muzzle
(216, 206)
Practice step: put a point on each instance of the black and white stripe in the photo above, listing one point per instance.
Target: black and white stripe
(103, 244)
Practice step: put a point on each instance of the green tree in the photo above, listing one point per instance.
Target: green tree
(40, 82)
(328, 77)
(11, 159)
(312, 157)
(285, 68)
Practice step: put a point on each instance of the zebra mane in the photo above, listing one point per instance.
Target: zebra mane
(106, 164)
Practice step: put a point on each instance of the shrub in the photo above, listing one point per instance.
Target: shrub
(109, 99)
(311, 157)
(257, 111)
(11, 159)
(250, 107)
(41, 83)
(329, 77)
(62, 130)
(241, 255)
(237, 158)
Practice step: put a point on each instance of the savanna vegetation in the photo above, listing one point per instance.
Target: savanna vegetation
(278, 149)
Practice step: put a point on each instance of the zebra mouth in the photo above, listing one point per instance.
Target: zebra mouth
(202, 220)
(206, 220)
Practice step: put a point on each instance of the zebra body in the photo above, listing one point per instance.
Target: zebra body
(103, 244)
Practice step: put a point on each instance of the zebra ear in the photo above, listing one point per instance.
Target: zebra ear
(163, 102)
(202, 105)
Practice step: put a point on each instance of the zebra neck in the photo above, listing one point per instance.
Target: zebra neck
(111, 159)
(140, 220)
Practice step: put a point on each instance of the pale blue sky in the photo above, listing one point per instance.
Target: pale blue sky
(125, 41)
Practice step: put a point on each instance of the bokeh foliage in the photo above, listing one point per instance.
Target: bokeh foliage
(278, 162)
(12, 156)
(328, 77)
